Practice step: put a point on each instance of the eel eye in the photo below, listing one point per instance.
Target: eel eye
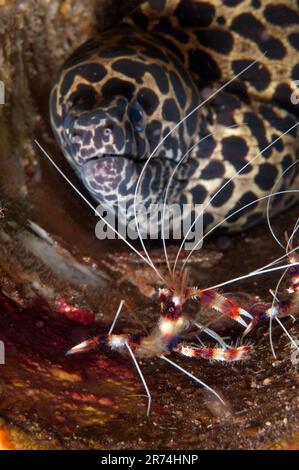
(137, 116)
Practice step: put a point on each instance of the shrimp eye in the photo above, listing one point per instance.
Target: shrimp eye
(137, 116)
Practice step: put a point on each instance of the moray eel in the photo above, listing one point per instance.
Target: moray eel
(119, 94)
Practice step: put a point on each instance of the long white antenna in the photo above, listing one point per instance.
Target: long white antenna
(252, 274)
(149, 397)
(116, 317)
(275, 299)
(168, 134)
(169, 184)
(269, 203)
(219, 190)
(192, 377)
(240, 210)
(91, 206)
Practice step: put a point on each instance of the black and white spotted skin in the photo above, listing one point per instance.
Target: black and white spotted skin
(120, 93)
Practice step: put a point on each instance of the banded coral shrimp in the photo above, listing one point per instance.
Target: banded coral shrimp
(168, 335)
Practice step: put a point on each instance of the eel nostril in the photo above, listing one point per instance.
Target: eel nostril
(107, 131)
(75, 137)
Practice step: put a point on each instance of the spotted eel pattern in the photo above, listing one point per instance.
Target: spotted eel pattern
(121, 92)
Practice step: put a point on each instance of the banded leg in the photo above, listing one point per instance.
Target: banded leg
(239, 353)
(221, 304)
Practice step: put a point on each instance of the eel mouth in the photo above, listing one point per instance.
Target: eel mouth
(110, 155)
(104, 175)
